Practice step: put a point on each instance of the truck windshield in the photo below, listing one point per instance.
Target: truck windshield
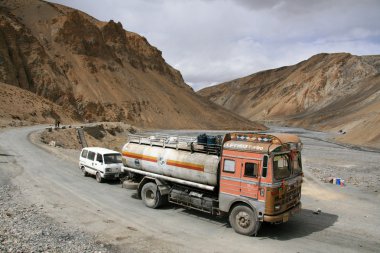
(112, 158)
(281, 168)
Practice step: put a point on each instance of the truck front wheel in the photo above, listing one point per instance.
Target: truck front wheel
(151, 195)
(244, 220)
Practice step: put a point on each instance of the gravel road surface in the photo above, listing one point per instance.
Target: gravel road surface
(106, 217)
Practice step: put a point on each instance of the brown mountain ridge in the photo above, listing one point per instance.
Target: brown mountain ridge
(327, 92)
(98, 71)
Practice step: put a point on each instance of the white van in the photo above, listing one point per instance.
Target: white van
(101, 162)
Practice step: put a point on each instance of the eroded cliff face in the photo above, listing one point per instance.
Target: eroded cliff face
(25, 62)
(98, 70)
(327, 91)
(22, 107)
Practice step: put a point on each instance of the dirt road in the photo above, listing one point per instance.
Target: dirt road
(349, 221)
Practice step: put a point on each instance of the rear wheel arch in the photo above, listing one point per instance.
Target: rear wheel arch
(98, 177)
(239, 202)
(84, 172)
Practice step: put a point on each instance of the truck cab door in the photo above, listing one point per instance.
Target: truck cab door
(230, 176)
(249, 183)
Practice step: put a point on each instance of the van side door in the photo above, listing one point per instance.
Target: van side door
(90, 162)
(98, 162)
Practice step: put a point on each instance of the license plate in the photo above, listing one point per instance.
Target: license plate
(116, 175)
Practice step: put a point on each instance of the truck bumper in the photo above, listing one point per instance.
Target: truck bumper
(283, 217)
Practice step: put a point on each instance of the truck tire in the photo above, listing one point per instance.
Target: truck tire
(151, 195)
(99, 178)
(85, 173)
(243, 220)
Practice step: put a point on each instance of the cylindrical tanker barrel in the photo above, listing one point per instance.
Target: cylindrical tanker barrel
(196, 167)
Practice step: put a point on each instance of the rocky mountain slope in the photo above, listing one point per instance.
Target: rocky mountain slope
(21, 107)
(97, 70)
(328, 92)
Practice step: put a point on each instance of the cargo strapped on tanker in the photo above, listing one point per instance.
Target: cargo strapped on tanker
(256, 138)
(201, 144)
(262, 142)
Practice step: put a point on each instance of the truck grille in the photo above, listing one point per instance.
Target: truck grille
(290, 197)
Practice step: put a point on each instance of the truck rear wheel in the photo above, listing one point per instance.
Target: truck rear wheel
(244, 220)
(151, 195)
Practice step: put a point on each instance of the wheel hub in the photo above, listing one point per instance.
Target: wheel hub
(243, 220)
(150, 195)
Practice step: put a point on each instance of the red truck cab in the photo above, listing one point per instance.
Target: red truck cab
(260, 179)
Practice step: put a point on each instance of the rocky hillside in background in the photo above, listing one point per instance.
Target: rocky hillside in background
(327, 92)
(21, 107)
(98, 71)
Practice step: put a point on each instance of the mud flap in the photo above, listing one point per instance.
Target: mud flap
(163, 187)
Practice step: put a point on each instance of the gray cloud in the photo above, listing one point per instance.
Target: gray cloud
(212, 41)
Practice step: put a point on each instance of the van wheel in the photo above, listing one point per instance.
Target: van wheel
(99, 179)
(151, 195)
(85, 173)
(244, 220)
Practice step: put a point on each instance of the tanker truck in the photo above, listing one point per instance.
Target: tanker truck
(251, 177)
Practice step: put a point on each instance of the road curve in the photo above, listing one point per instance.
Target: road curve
(348, 223)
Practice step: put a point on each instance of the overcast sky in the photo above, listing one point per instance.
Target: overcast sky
(213, 41)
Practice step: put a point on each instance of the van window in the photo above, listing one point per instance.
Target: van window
(112, 158)
(91, 155)
(250, 170)
(229, 166)
(99, 158)
(84, 153)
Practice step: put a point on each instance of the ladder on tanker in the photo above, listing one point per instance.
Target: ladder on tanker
(188, 143)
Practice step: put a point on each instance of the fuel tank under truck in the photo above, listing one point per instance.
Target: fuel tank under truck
(200, 168)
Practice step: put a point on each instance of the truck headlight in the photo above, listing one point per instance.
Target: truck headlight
(277, 207)
(108, 170)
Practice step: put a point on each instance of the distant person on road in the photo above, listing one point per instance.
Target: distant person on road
(56, 123)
